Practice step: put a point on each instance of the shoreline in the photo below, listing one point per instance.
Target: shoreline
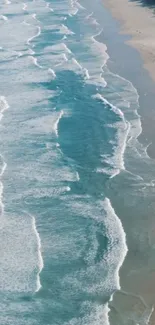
(139, 23)
(135, 26)
(125, 60)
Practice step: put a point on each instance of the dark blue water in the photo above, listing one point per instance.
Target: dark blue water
(68, 144)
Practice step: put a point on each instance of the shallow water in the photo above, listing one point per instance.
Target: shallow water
(71, 166)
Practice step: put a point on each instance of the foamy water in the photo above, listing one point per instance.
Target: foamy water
(40, 259)
(66, 134)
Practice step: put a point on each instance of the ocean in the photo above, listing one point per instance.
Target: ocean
(72, 171)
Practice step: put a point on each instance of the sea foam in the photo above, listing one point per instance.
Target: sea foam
(116, 160)
(3, 106)
(40, 259)
(36, 35)
(115, 233)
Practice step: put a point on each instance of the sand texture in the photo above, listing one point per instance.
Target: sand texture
(139, 22)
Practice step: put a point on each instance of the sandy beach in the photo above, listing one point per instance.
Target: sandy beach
(136, 299)
(139, 22)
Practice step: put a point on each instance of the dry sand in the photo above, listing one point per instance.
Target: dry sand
(139, 22)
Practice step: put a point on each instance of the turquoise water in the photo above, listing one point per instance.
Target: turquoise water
(68, 135)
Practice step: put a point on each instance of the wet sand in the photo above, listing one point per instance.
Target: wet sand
(135, 303)
(139, 22)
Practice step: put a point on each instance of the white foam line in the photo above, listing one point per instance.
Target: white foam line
(77, 176)
(24, 22)
(72, 3)
(68, 188)
(1, 199)
(86, 73)
(66, 48)
(98, 34)
(130, 83)
(120, 150)
(114, 108)
(146, 148)
(24, 6)
(1, 186)
(7, 2)
(57, 122)
(74, 13)
(19, 54)
(80, 6)
(3, 17)
(35, 61)
(3, 106)
(95, 22)
(106, 56)
(77, 63)
(134, 131)
(84, 70)
(51, 71)
(65, 57)
(117, 240)
(92, 19)
(112, 220)
(89, 16)
(149, 316)
(3, 168)
(64, 60)
(48, 6)
(47, 146)
(66, 30)
(31, 52)
(101, 78)
(36, 35)
(40, 258)
(101, 44)
(34, 16)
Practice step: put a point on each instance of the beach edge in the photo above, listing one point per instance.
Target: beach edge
(138, 23)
